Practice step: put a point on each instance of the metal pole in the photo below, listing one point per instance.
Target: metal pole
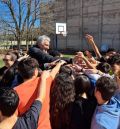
(66, 23)
(56, 46)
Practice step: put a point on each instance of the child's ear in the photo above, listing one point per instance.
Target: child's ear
(96, 93)
(98, 96)
(36, 72)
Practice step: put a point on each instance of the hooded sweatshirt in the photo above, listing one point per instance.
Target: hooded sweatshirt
(107, 116)
(117, 94)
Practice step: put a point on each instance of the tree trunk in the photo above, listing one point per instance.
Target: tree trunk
(27, 42)
(31, 39)
(19, 43)
(27, 38)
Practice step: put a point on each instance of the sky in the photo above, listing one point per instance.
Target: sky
(5, 13)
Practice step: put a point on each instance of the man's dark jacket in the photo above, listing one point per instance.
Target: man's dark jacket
(42, 57)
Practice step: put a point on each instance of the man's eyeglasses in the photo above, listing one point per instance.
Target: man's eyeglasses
(6, 59)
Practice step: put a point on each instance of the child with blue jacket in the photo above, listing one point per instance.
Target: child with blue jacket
(107, 113)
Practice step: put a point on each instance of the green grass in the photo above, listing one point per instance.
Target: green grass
(1, 63)
(70, 56)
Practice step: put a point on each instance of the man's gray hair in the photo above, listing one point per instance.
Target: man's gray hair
(41, 39)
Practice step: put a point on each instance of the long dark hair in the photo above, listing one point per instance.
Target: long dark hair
(62, 94)
(82, 85)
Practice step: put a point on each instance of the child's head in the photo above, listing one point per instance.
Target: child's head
(105, 89)
(114, 61)
(55, 53)
(82, 84)
(28, 68)
(104, 67)
(9, 101)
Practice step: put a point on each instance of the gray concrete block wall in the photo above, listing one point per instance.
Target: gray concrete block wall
(101, 18)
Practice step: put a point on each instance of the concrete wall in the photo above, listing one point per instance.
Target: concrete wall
(100, 18)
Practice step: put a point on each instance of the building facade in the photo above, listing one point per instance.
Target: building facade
(100, 18)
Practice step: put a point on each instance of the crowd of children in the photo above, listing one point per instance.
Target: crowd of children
(44, 90)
